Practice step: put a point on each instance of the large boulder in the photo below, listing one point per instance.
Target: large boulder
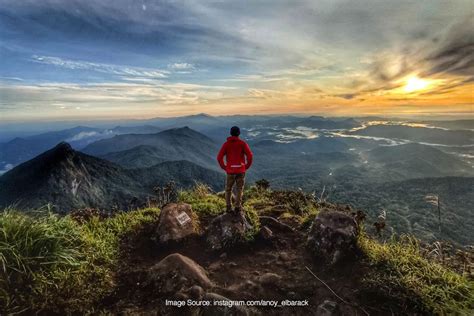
(227, 230)
(176, 221)
(333, 236)
(177, 272)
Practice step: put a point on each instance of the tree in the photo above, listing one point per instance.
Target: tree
(433, 199)
(262, 185)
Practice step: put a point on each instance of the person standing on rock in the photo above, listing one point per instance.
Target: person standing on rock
(238, 160)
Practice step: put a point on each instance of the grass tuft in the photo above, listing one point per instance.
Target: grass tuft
(202, 201)
(48, 262)
(401, 270)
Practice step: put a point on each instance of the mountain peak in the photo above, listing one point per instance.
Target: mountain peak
(63, 147)
(179, 130)
(202, 115)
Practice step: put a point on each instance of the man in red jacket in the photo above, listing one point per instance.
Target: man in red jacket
(238, 161)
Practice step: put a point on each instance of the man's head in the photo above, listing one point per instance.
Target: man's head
(235, 131)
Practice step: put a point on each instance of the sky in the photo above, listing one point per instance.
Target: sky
(68, 59)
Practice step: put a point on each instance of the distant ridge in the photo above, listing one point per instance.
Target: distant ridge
(19, 150)
(181, 143)
(70, 179)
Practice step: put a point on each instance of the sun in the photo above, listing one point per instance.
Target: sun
(415, 84)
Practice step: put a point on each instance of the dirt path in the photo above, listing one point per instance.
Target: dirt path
(264, 270)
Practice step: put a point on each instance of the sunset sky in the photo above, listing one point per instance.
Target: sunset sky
(147, 58)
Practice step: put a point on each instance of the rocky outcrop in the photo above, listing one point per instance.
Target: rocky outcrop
(177, 272)
(333, 236)
(177, 221)
(227, 230)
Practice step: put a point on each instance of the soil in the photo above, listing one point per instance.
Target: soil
(285, 255)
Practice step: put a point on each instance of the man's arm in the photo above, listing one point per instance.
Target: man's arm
(249, 155)
(220, 156)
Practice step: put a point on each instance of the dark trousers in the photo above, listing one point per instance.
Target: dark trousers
(238, 180)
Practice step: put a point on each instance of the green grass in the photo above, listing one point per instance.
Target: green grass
(49, 262)
(208, 205)
(254, 220)
(402, 271)
(202, 201)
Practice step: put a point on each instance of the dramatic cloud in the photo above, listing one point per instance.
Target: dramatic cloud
(327, 56)
(454, 53)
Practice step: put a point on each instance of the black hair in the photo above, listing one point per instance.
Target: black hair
(235, 131)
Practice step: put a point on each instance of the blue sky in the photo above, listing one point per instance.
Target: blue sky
(110, 59)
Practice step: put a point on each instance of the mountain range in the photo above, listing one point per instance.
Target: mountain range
(70, 179)
(173, 144)
(19, 149)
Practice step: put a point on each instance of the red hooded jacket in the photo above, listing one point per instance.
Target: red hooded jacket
(235, 150)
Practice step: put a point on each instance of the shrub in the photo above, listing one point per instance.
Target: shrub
(402, 271)
(298, 202)
(262, 185)
(202, 202)
(254, 220)
(308, 218)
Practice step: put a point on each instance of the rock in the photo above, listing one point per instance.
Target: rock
(333, 235)
(269, 279)
(275, 224)
(240, 288)
(221, 308)
(181, 296)
(196, 291)
(176, 221)
(227, 230)
(266, 233)
(328, 308)
(285, 256)
(215, 266)
(176, 272)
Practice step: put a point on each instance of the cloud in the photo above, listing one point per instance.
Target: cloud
(82, 136)
(11, 79)
(181, 66)
(446, 53)
(99, 67)
(454, 52)
(6, 168)
(347, 96)
(113, 97)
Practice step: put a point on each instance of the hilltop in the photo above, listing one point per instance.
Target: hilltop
(132, 262)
